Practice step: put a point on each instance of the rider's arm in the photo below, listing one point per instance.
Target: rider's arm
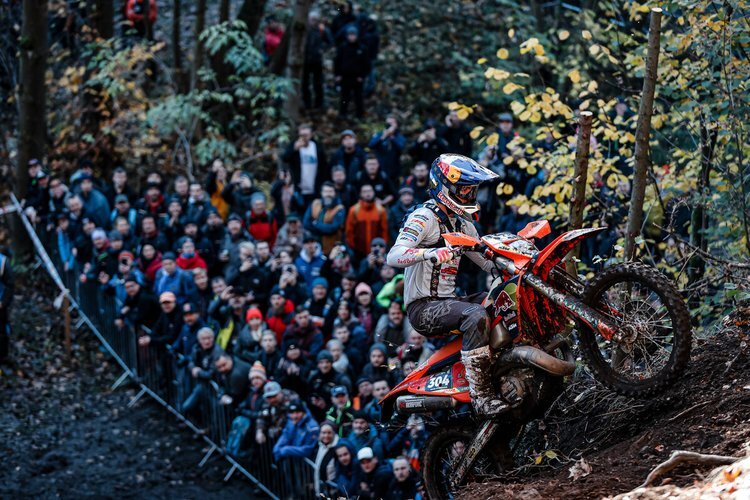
(406, 251)
(477, 257)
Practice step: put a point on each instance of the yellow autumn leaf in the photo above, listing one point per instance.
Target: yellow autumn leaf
(474, 134)
(592, 86)
(511, 33)
(507, 189)
(539, 50)
(517, 107)
(463, 113)
(511, 87)
(586, 34)
(454, 106)
(502, 53)
(594, 49)
(525, 116)
(563, 35)
(535, 117)
(523, 210)
(492, 139)
(612, 181)
(574, 76)
(508, 160)
(481, 60)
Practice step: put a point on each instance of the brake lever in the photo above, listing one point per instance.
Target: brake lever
(457, 252)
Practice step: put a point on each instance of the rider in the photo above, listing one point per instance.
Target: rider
(433, 308)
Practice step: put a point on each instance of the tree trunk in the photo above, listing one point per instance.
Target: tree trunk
(104, 12)
(251, 13)
(642, 133)
(296, 56)
(224, 11)
(148, 28)
(32, 95)
(200, 22)
(698, 218)
(179, 72)
(580, 175)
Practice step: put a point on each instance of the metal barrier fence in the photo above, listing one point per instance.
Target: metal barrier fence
(163, 375)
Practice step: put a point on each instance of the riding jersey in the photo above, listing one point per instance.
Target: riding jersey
(421, 232)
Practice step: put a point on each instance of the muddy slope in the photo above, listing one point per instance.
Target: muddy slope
(623, 439)
(63, 433)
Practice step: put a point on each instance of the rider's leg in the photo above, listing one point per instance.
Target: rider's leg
(440, 317)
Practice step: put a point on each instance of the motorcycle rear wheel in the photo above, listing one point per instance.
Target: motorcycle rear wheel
(442, 451)
(641, 301)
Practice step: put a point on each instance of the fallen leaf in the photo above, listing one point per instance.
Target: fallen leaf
(579, 469)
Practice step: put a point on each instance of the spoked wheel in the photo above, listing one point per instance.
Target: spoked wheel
(443, 451)
(653, 323)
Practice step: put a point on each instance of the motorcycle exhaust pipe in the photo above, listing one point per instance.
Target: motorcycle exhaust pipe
(423, 404)
(531, 356)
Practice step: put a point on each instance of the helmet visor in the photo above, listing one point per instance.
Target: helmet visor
(466, 195)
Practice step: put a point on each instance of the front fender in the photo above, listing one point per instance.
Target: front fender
(556, 251)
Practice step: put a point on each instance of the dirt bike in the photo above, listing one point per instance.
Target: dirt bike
(633, 330)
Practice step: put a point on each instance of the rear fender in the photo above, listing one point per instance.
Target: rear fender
(556, 251)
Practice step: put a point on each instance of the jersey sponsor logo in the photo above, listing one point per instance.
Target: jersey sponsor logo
(420, 223)
(503, 302)
(421, 217)
(410, 230)
(449, 270)
(407, 236)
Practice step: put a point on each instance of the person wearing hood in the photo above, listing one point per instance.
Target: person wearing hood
(300, 435)
(366, 310)
(325, 218)
(94, 201)
(292, 235)
(366, 221)
(310, 260)
(364, 435)
(377, 368)
(238, 193)
(348, 471)
(375, 477)
(260, 224)
(343, 18)
(351, 67)
(325, 458)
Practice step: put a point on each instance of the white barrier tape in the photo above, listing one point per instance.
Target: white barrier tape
(8, 209)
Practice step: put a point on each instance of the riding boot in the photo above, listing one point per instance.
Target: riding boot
(478, 364)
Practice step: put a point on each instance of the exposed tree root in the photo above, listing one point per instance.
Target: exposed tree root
(680, 457)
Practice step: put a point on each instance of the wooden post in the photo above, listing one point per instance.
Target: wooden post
(66, 312)
(580, 175)
(642, 134)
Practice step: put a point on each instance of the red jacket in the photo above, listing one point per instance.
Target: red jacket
(278, 324)
(191, 263)
(272, 39)
(263, 227)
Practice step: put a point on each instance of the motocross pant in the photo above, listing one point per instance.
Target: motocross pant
(438, 317)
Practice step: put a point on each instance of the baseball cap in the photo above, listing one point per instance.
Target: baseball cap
(296, 406)
(271, 389)
(348, 132)
(167, 297)
(377, 242)
(338, 390)
(189, 308)
(505, 117)
(121, 198)
(365, 454)
(406, 189)
(292, 218)
(168, 256)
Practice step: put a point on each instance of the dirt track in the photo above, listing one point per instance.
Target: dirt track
(64, 434)
(622, 439)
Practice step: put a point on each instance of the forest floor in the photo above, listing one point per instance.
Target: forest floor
(594, 444)
(64, 433)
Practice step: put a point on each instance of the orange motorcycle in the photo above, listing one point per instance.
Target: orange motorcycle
(632, 328)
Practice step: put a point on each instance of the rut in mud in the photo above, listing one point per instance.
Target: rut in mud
(65, 434)
(620, 439)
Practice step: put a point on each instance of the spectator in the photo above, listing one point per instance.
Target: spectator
(261, 225)
(95, 202)
(188, 259)
(341, 412)
(248, 412)
(234, 377)
(293, 370)
(150, 234)
(269, 355)
(273, 412)
(340, 360)
(404, 483)
(321, 381)
(171, 278)
(197, 207)
(300, 435)
(456, 134)
(192, 324)
(310, 260)
(318, 40)
(319, 305)
(307, 163)
(364, 393)
(376, 478)
(58, 194)
(354, 355)
(204, 292)
(130, 241)
(380, 388)
(153, 202)
(293, 287)
(304, 334)
(203, 247)
(399, 210)
(351, 67)
(419, 181)
(292, 235)
(247, 345)
(122, 208)
(37, 192)
(272, 35)
(350, 155)
(287, 199)
(428, 145)
(249, 279)
(366, 310)
(416, 347)
(65, 247)
(325, 218)
(363, 435)
(392, 329)
(369, 268)
(374, 176)
(388, 146)
(234, 237)
(119, 186)
(377, 368)
(203, 357)
(7, 285)
(325, 457)
(215, 184)
(348, 472)
(344, 190)
(238, 194)
(370, 37)
(366, 220)
(344, 18)
(140, 306)
(280, 313)
(149, 263)
(173, 222)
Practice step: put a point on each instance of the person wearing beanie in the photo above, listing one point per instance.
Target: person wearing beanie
(188, 258)
(377, 368)
(247, 345)
(248, 412)
(280, 313)
(322, 381)
(319, 304)
(364, 435)
(366, 310)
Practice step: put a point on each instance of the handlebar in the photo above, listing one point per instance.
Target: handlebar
(457, 252)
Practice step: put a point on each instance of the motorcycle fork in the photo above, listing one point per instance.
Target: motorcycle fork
(483, 436)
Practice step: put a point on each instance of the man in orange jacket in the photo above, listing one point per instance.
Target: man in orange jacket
(366, 220)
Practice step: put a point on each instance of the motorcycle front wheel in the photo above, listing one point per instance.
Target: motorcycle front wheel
(654, 324)
(443, 451)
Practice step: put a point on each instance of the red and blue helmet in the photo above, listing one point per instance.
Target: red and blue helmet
(454, 182)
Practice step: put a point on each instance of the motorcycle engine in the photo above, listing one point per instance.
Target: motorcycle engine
(517, 386)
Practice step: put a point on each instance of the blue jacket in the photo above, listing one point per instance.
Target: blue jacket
(309, 268)
(321, 227)
(371, 439)
(97, 207)
(65, 249)
(388, 151)
(297, 440)
(350, 476)
(180, 283)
